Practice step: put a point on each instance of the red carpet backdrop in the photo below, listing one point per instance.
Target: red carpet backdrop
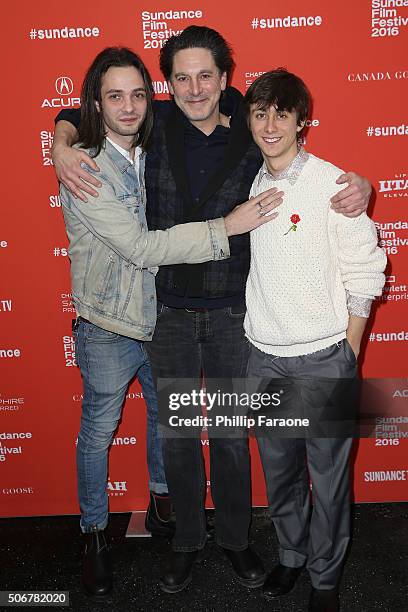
(352, 55)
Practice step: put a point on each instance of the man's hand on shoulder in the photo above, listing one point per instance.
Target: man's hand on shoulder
(353, 200)
(68, 163)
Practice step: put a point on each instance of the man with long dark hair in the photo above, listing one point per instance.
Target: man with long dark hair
(114, 261)
(200, 164)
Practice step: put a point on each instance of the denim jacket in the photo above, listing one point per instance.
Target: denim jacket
(114, 257)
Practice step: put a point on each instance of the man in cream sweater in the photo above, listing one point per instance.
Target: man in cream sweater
(313, 276)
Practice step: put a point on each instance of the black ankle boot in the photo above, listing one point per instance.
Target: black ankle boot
(158, 516)
(97, 573)
(178, 571)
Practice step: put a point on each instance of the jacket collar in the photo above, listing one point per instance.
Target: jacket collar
(117, 158)
(239, 141)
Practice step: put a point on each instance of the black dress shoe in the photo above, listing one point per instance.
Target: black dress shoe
(178, 571)
(324, 600)
(280, 581)
(247, 566)
(158, 516)
(97, 572)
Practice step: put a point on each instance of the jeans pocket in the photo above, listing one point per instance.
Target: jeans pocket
(98, 334)
(350, 354)
(160, 309)
(236, 312)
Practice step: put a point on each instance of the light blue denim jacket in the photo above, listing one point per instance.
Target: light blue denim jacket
(114, 258)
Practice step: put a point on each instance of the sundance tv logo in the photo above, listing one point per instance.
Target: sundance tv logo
(64, 87)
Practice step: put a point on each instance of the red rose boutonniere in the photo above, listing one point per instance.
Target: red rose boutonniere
(295, 220)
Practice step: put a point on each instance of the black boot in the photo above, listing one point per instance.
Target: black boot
(178, 572)
(97, 573)
(247, 566)
(158, 516)
(280, 581)
(324, 600)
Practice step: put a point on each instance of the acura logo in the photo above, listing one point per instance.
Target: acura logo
(64, 86)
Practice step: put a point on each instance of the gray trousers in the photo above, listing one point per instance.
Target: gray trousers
(319, 540)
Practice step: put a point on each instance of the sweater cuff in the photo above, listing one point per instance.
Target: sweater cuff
(358, 306)
(219, 238)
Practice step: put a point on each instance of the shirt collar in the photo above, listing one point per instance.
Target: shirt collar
(125, 153)
(291, 173)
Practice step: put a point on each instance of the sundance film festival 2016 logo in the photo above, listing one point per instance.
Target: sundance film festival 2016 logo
(390, 430)
(393, 235)
(157, 25)
(54, 201)
(64, 87)
(10, 443)
(396, 187)
(69, 351)
(388, 17)
(46, 140)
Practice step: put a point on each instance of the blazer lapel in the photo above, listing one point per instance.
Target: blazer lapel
(175, 130)
(239, 141)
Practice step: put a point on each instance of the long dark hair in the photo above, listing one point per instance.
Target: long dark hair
(91, 129)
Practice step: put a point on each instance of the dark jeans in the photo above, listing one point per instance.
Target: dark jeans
(186, 345)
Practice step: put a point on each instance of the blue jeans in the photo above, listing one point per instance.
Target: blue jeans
(108, 362)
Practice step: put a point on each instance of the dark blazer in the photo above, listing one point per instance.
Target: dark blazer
(169, 200)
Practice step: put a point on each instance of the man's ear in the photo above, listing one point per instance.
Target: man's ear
(171, 90)
(301, 125)
(98, 106)
(223, 81)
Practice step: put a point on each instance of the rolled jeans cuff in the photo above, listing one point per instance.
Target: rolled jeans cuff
(88, 528)
(158, 487)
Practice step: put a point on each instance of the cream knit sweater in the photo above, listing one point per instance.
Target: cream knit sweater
(296, 289)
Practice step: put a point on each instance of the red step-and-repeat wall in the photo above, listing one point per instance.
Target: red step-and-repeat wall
(352, 55)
